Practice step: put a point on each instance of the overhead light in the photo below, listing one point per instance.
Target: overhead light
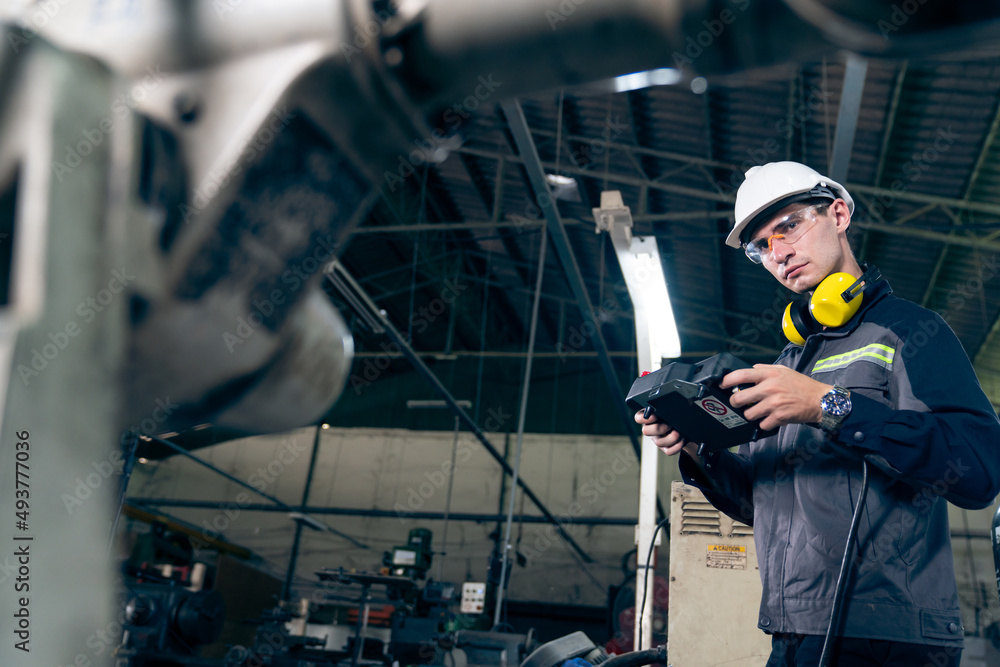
(143, 460)
(656, 330)
(664, 76)
(559, 179)
(563, 187)
(325, 426)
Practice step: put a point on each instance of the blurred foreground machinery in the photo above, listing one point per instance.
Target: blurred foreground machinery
(174, 177)
(234, 144)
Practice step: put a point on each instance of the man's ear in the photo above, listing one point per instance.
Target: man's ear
(842, 214)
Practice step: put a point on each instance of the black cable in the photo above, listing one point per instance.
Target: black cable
(645, 583)
(638, 658)
(626, 558)
(995, 538)
(845, 567)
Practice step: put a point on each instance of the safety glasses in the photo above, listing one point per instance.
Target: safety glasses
(789, 229)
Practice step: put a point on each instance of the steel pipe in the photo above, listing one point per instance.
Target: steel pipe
(474, 517)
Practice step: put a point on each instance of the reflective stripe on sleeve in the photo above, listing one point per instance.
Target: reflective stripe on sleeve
(876, 353)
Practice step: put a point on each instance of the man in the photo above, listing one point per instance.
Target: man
(892, 386)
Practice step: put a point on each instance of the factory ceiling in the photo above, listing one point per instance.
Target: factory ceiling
(450, 251)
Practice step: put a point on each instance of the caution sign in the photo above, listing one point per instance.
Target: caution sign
(726, 557)
(721, 412)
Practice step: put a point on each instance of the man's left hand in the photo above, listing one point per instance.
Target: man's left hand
(778, 396)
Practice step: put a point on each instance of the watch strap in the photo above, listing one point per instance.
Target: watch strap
(829, 421)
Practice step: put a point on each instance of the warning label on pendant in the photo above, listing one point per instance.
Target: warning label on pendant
(726, 557)
(722, 414)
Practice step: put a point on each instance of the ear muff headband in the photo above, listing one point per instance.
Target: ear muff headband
(830, 305)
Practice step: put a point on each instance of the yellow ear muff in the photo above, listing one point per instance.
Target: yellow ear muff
(788, 326)
(827, 304)
(826, 307)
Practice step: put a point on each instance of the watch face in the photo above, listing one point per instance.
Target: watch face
(836, 404)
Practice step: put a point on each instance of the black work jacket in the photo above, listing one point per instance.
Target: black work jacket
(920, 418)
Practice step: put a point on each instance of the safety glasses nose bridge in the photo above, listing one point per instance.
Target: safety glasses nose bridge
(758, 249)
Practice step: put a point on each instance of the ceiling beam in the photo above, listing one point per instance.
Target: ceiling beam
(497, 213)
(988, 145)
(990, 340)
(978, 359)
(711, 195)
(689, 304)
(604, 175)
(718, 281)
(372, 278)
(966, 241)
(469, 225)
(380, 514)
(921, 198)
(444, 355)
(487, 225)
(491, 200)
(353, 292)
(929, 292)
(564, 250)
(855, 73)
(969, 189)
(643, 150)
(420, 197)
(890, 122)
(790, 111)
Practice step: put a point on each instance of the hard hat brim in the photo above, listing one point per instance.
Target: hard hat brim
(752, 223)
(762, 214)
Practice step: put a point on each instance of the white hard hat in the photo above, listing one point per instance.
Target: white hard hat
(771, 187)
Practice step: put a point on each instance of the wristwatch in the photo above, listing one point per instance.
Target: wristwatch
(836, 405)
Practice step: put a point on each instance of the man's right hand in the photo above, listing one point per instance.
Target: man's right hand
(667, 439)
